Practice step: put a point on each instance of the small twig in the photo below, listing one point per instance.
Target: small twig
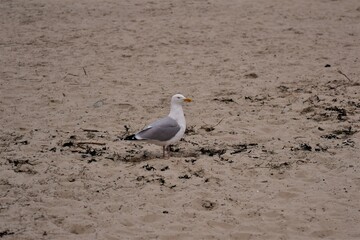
(339, 71)
(84, 71)
(215, 124)
(93, 143)
(70, 74)
(127, 132)
(210, 128)
(126, 129)
(218, 122)
(74, 75)
(90, 130)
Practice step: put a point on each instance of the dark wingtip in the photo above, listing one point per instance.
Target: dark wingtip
(130, 138)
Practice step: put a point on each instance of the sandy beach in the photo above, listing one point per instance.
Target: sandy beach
(272, 145)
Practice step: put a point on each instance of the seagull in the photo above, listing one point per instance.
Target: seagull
(165, 131)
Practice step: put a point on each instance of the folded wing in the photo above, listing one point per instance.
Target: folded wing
(162, 130)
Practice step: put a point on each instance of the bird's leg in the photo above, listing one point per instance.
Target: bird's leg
(166, 149)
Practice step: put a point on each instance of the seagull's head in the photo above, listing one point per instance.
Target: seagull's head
(179, 99)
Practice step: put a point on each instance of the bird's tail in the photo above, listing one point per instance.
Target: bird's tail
(131, 138)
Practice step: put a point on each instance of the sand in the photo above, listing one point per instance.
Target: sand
(272, 145)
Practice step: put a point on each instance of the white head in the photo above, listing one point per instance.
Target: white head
(179, 99)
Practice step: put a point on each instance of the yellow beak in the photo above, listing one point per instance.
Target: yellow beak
(187, 100)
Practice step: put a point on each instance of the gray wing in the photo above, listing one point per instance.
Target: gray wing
(162, 130)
